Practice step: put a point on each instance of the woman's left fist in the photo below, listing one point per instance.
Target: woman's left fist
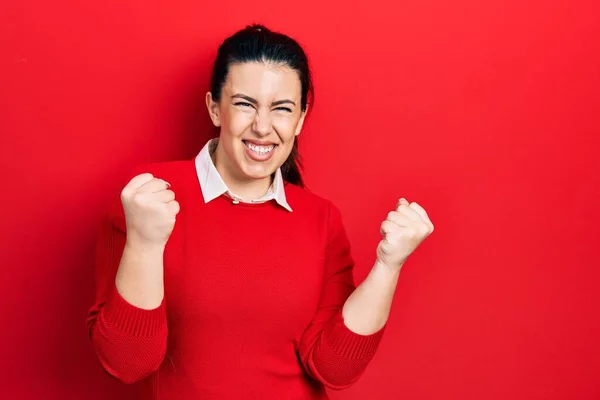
(403, 231)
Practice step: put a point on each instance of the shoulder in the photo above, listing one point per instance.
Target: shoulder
(305, 201)
(303, 198)
(323, 212)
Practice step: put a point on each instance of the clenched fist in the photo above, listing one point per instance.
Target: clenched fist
(150, 210)
(403, 231)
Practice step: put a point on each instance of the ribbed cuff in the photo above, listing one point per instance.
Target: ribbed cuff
(348, 344)
(132, 320)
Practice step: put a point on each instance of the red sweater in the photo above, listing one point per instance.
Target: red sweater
(252, 306)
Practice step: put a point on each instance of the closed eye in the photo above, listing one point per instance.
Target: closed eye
(284, 109)
(243, 104)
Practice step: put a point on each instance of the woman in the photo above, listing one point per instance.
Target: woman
(250, 294)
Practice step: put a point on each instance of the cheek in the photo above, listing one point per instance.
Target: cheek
(236, 122)
(286, 128)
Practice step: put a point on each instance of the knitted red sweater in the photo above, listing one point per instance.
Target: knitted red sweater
(253, 301)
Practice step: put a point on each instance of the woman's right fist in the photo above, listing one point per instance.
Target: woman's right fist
(150, 210)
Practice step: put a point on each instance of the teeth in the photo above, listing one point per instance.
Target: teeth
(259, 149)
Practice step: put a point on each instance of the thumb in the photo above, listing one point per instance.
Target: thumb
(385, 247)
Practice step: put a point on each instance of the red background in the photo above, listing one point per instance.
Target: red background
(486, 113)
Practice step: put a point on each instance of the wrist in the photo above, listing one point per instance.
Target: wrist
(144, 246)
(393, 270)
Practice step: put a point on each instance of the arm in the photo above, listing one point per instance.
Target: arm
(127, 324)
(368, 308)
(343, 336)
(330, 351)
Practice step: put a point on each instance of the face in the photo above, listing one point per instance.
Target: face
(259, 116)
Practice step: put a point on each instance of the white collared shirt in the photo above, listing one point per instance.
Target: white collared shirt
(213, 186)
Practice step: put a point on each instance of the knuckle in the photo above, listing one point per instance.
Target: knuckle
(385, 226)
(136, 198)
(127, 191)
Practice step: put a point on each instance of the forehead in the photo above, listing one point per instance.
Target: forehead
(263, 81)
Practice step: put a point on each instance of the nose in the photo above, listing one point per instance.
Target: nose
(262, 123)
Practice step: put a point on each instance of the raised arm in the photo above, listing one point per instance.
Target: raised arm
(127, 324)
(349, 323)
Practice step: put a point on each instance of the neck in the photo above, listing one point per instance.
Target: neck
(248, 189)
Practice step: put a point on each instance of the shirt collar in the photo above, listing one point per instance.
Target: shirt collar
(213, 186)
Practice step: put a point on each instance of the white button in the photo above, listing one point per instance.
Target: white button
(236, 201)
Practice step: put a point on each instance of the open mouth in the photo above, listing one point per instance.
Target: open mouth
(260, 150)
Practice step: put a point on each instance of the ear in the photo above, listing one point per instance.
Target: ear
(301, 122)
(213, 109)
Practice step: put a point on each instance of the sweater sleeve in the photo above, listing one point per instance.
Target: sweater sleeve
(130, 342)
(330, 352)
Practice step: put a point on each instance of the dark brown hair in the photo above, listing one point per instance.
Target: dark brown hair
(256, 43)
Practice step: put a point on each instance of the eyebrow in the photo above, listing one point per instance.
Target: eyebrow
(254, 101)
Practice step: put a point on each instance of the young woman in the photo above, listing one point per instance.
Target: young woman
(249, 292)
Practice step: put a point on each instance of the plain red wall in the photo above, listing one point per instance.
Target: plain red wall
(486, 113)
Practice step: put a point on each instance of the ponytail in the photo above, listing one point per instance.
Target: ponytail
(290, 170)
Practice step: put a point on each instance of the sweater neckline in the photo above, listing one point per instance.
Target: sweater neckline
(226, 199)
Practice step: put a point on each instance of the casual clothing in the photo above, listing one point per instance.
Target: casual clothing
(253, 298)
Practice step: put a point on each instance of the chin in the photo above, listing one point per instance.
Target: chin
(258, 171)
